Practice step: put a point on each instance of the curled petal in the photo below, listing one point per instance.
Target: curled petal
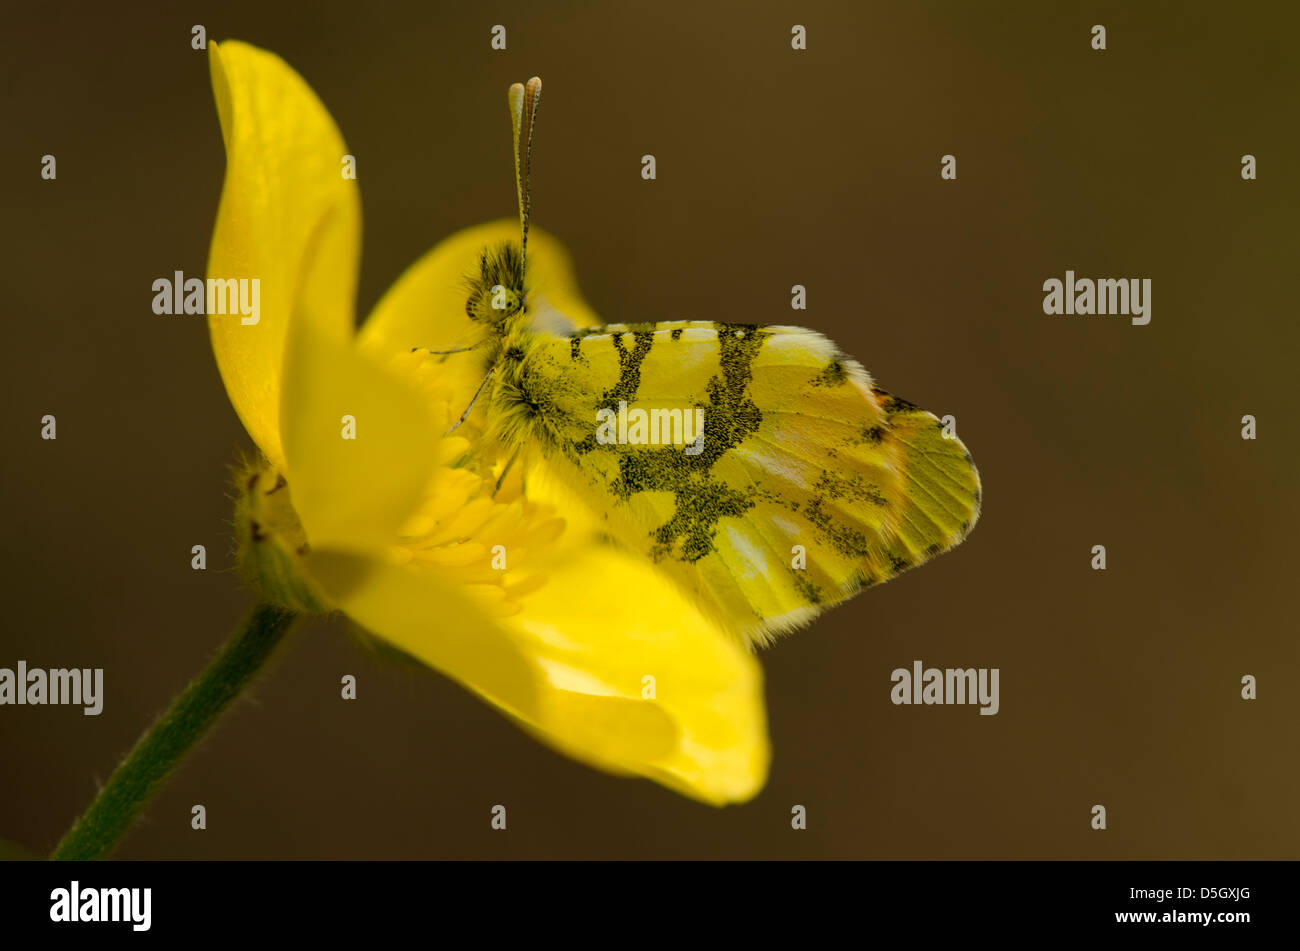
(285, 209)
(359, 446)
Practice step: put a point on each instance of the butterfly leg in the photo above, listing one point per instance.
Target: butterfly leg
(506, 471)
(477, 393)
(442, 352)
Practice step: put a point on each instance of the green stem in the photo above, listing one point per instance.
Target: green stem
(191, 715)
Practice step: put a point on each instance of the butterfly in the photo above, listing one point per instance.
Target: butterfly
(758, 466)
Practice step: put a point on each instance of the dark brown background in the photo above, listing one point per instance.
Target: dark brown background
(775, 167)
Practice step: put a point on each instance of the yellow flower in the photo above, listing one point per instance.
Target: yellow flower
(404, 528)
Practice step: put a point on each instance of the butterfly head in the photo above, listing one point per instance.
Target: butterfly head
(496, 294)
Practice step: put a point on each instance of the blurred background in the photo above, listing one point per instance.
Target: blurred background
(775, 167)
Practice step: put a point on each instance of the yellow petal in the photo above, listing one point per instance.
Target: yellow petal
(571, 667)
(426, 307)
(431, 621)
(439, 625)
(359, 446)
(608, 622)
(285, 207)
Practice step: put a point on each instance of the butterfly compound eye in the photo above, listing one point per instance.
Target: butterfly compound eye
(493, 305)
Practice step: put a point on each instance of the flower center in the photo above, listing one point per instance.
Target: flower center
(475, 525)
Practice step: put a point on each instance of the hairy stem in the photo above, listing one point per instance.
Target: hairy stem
(185, 722)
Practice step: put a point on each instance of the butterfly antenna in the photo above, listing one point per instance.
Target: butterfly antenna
(524, 98)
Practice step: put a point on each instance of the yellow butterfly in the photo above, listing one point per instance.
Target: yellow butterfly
(758, 466)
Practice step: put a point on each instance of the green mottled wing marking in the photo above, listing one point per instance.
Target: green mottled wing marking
(810, 484)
